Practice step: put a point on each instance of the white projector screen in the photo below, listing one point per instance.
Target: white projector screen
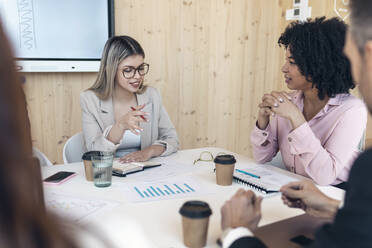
(57, 35)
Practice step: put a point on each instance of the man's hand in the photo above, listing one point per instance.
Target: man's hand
(308, 197)
(242, 210)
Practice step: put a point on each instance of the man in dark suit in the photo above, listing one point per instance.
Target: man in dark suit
(352, 225)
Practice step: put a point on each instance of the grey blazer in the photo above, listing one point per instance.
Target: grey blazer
(98, 115)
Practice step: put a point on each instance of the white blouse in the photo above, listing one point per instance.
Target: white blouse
(129, 143)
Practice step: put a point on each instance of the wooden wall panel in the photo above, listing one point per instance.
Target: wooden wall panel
(211, 59)
(54, 108)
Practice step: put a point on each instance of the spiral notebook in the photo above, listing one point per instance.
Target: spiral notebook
(261, 179)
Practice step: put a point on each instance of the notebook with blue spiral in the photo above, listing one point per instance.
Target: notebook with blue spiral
(261, 178)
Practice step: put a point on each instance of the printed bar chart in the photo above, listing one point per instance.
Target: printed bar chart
(156, 191)
(164, 190)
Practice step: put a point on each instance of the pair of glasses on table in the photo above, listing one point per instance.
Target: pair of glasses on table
(206, 156)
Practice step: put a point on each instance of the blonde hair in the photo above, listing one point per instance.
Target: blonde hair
(116, 49)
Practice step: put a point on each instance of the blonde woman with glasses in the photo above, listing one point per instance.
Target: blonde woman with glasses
(120, 113)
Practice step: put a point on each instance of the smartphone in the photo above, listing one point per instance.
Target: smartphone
(59, 177)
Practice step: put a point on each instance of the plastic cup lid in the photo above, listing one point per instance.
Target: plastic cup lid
(195, 209)
(225, 159)
(90, 154)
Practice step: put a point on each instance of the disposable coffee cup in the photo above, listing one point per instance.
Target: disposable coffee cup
(224, 169)
(87, 160)
(195, 220)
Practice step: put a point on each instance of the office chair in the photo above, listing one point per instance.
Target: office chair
(43, 160)
(74, 149)
(362, 142)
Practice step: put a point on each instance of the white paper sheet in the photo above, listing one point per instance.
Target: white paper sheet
(76, 209)
(179, 187)
(166, 170)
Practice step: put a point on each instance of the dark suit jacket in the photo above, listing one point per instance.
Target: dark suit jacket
(352, 226)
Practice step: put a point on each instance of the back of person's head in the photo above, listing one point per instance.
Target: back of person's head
(116, 49)
(359, 47)
(361, 22)
(23, 220)
(317, 49)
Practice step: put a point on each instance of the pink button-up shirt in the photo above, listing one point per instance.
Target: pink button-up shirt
(323, 148)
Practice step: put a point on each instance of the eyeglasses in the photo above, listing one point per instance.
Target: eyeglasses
(206, 156)
(130, 71)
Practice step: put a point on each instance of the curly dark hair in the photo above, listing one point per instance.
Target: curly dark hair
(317, 49)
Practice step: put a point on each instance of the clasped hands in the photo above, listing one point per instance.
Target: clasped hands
(279, 103)
(244, 208)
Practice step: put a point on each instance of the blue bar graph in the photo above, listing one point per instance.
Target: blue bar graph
(148, 190)
(160, 190)
(179, 188)
(189, 187)
(139, 192)
(168, 188)
(153, 191)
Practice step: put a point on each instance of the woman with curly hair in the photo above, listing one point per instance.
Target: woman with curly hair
(317, 128)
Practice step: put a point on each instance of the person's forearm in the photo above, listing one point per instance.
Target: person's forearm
(297, 120)
(262, 122)
(115, 134)
(156, 150)
(264, 143)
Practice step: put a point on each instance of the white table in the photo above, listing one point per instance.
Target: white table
(160, 219)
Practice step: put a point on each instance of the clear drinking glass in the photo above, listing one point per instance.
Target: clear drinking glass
(102, 169)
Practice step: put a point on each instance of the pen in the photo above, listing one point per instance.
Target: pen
(134, 109)
(247, 173)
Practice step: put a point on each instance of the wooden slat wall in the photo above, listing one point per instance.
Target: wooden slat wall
(54, 109)
(211, 59)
